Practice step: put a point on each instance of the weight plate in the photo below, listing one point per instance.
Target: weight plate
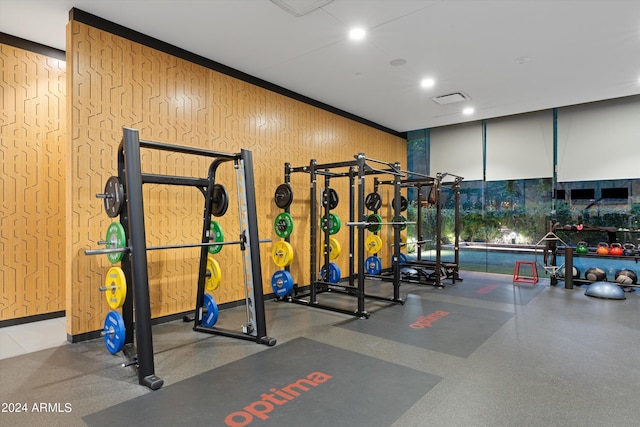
(115, 239)
(282, 253)
(373, 265)
(114, 332)
(403, 220)
(282, 283)
(334, 248)
(373, 244)
(214, 275)
(219, 200)
(116, 287)
(115, 197)
(330, 196)
(283, 196)
(215, 235)
(374, 221)
(404, 203)
(334, 273)
(373, 201)
(334, 223)
(210, 315)
(283, 225)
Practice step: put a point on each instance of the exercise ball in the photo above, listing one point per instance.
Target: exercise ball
(594, 274)
(604, 290)
(626, 277)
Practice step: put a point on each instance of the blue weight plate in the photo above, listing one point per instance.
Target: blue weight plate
(114, 332)
(373, 265)
(282, 283)
(334, 273)
(211, 316)
(403, 258)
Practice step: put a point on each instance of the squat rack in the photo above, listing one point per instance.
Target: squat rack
(357, 170)
(135, 265)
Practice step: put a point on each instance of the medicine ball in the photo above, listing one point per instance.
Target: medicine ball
(576, 273)
(595, 274)
(626, 277)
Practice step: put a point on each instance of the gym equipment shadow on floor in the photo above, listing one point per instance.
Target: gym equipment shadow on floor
(299, 383)
(448, 328)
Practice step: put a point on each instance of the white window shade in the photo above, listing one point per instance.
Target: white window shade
(458, 150)
(599, 141)
(520, 147)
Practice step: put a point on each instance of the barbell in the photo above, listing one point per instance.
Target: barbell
(368, 223)
(125, 249)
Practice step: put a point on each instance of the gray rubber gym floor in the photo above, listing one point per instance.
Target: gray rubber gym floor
(530, 356)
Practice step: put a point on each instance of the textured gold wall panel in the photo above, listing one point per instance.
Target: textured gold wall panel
(115, 83)
(32, 229)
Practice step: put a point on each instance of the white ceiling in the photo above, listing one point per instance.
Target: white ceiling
(575, 51)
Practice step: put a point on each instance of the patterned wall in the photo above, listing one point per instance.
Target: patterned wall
(115, 83)
(32, 224)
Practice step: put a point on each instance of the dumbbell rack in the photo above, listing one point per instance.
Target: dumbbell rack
(140, 352)
(356, 171)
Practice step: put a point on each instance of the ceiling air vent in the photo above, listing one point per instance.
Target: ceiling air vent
(451, 98)
(299, 8)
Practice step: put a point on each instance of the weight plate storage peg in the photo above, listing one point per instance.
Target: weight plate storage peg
(219, 200)
(283, 196)
(214, 275)
(283, 225)
(330, 197)
(334, 273)
(334, 248)
(282, 283)
(210, 315)
(115, 287)
(216, 235)
(373, 265)
(373, 201)
(113, 197)
(373, 244)
(334, 223)
(114, 332)
(282, 253)
(115, 238)
(375, 223)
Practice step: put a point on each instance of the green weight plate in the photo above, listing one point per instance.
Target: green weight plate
(403, 220)
(334, 223)
(375, 223)
(115, 238)
(283, 225)
(216, 235)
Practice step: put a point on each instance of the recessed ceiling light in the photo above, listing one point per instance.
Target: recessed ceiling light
(468, 111)
(427, 83)
(398, 62)
(357, 34)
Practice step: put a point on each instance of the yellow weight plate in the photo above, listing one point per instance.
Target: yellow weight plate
(373, 244)
(115, 287)
(214, 274)
(334, 248)
(282, 253)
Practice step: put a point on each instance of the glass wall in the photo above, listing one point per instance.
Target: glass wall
(502, 221)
